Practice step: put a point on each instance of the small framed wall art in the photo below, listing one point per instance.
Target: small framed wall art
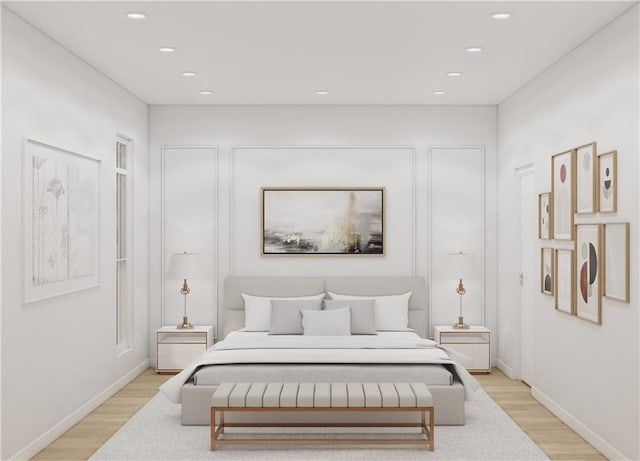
(616, 261)
(323, 221)
(562, 194)
(585, 178)
(545, 216)
(546, 271)
(608, 182)
(564, 281)
(588, 272)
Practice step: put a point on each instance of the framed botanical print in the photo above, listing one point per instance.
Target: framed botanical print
(608, 182)
(545, 216)
(562, 194)
(546, 271)
(564, 281)
(588, 272)
(586, 173)
(323, 221)
(61, 221)
(616, 261)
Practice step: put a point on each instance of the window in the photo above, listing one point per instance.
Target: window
(123, 248)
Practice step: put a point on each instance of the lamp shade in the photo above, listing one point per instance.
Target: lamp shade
(184, 266)
(460, 265)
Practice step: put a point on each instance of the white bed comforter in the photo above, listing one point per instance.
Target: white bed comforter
(260, 347)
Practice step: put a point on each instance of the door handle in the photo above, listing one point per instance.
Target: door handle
(521, 277)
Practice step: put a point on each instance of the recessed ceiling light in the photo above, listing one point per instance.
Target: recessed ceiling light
(454, 74)
(474, 49)
(322, 92)
(189, 74)
(137, 15)
(166, 49)
(206, 92)
(439, 92)
(501, 15)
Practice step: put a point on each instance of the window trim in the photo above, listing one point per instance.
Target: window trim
(126, 343)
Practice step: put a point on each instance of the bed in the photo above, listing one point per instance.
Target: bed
(256, 356)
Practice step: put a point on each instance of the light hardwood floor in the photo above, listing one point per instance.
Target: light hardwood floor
(83, 439)
(553, 436)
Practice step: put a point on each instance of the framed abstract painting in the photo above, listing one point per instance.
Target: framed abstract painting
(586, 173)
(608, 182)
(323, 221)
(562, 194)
(564, 281)
(546, 271)
(545, 216)
(616, 261)
(588, 274)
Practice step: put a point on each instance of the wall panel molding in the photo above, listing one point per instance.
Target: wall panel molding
(455, 162)
(312, 178)
(191, 231)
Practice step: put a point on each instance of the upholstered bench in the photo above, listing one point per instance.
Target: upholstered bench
(322, 397)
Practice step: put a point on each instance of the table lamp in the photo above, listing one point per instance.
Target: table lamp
(460, 266)
(184, 266)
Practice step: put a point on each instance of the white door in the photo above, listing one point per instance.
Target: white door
(526, 280)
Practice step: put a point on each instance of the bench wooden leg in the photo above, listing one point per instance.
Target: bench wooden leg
(213, 429)
(215, 433)
(431, 429)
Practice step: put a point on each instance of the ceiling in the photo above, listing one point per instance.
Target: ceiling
(380, 52)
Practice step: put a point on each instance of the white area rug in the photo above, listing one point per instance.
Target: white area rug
(155, 433)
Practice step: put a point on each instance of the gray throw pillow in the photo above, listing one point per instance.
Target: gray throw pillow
(363, 314)
(286, 318)
(336, 322)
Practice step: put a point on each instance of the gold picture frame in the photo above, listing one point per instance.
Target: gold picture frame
(564, 281)
(615, 276)
(608, 182)
(324, 221)
(588, 272)
(586, 177)
(563, 194)
(546, 271)
(545, 216)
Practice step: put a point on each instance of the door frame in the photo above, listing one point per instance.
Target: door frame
(521, 171)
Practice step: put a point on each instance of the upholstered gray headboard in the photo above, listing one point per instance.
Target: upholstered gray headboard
(233, 309)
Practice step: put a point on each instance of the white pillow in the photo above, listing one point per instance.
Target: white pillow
(392, 312)
(257, 310)
(336, 322)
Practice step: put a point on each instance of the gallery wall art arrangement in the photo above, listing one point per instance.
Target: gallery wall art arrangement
(583, 182)
(60, 221)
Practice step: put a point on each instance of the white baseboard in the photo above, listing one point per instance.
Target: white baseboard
(506, 369)
(67, 423)
(582, 430)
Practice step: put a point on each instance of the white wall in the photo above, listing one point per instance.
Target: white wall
(456, 221)
(586, 374)
(59, 355)
(388, 167)
(413, 127)
(189, 224)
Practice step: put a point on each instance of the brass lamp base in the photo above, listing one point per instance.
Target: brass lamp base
(185, 325)
(460, 325)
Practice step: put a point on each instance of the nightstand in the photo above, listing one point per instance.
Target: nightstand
(474, 342)
(176, 347)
